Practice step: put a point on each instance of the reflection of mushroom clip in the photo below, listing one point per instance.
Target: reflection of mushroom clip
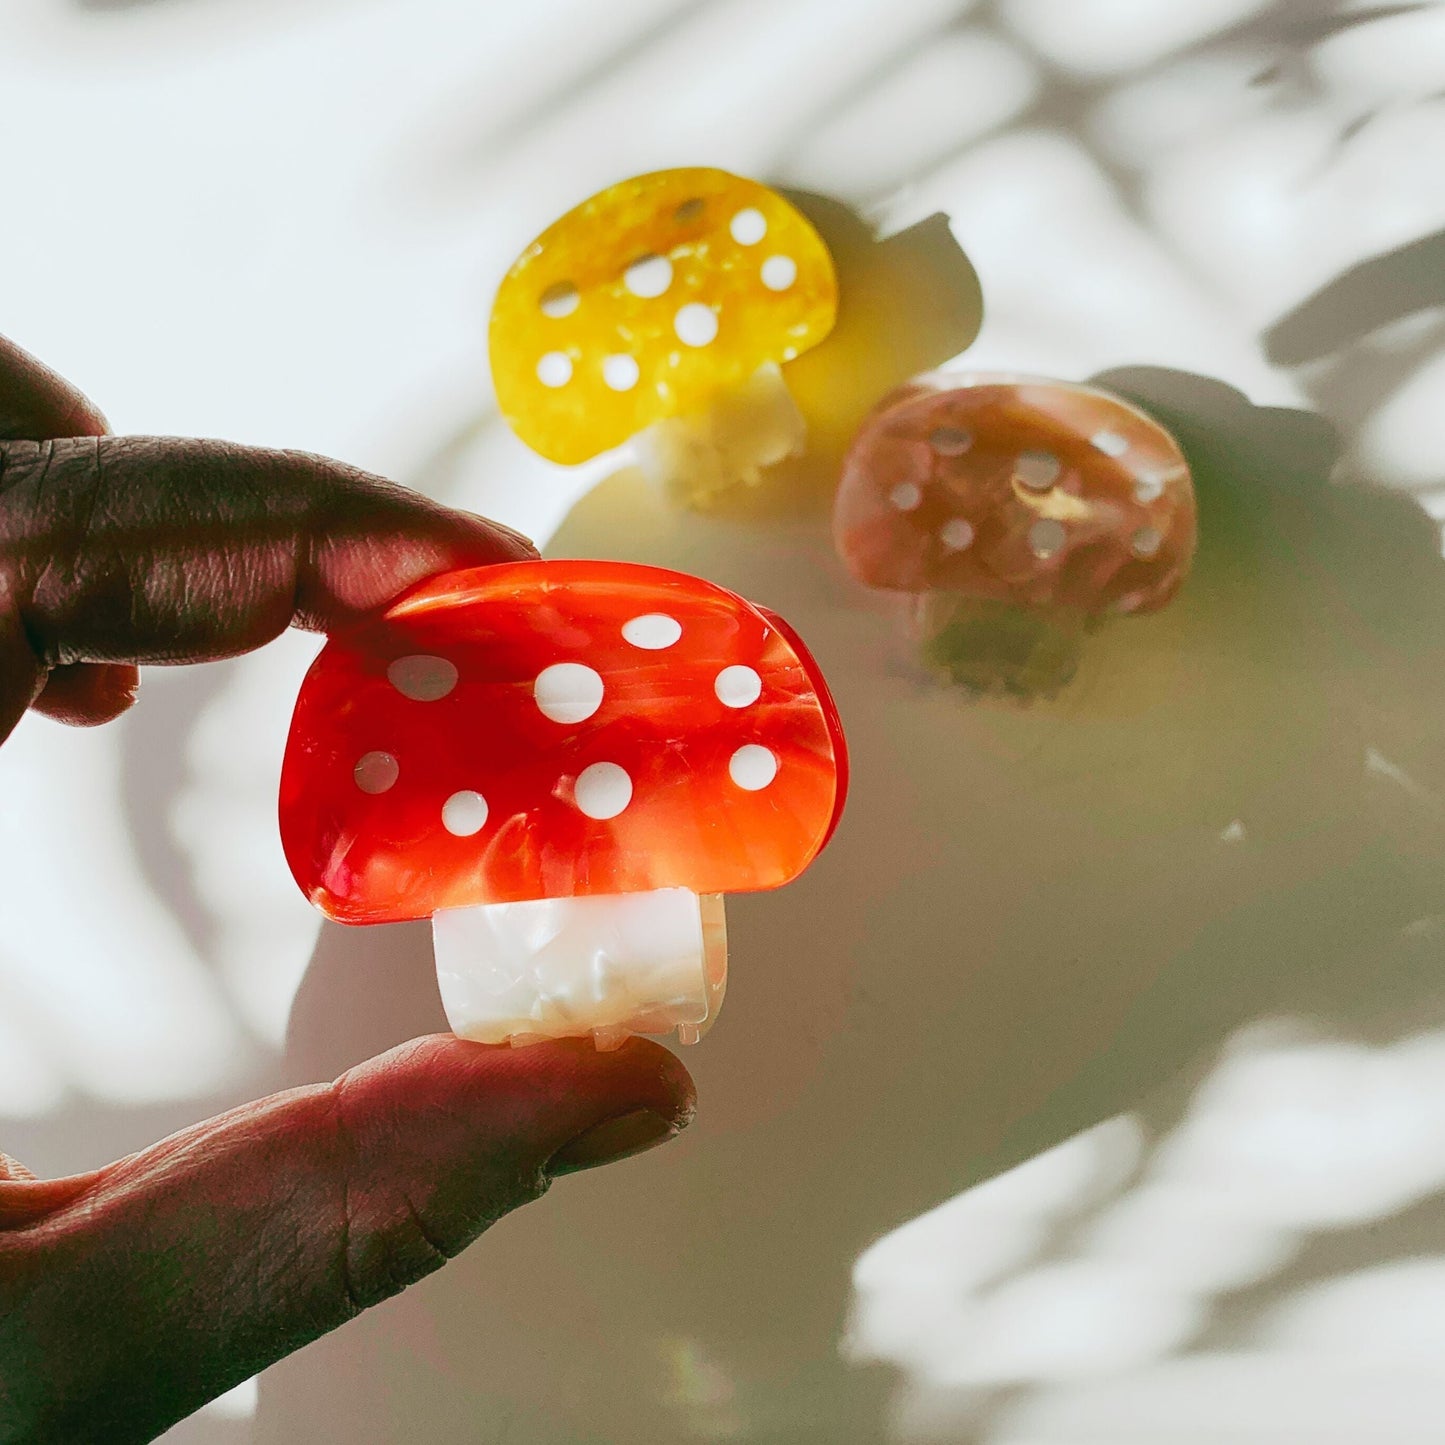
(660, 311)
(1018, 511)
(563, 764)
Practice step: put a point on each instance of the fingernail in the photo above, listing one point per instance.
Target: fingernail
(611, 1140)
(522, 541)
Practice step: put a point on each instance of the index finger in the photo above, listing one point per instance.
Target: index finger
(162, 549)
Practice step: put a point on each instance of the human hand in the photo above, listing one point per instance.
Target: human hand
(132, 1294)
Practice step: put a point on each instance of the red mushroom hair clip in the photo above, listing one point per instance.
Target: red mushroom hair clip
(564, 765)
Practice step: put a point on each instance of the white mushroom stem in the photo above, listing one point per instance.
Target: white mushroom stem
(695, 458)
(608, 965)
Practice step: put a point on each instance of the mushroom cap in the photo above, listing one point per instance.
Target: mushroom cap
(1021, 489)
(554, 729)
(647, 300)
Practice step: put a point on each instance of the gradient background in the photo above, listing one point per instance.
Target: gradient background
(1032, 1143)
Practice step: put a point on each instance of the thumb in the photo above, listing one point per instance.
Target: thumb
(130, 1297)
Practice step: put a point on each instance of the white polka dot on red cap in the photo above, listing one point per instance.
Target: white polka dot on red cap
(464, 813)
(753, 767)
(376, 772)
(738, 686)
(568, 692)
(602, 790)
(652, 631)
(422, 677)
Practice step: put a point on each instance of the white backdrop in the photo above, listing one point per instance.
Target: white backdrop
(281, 221)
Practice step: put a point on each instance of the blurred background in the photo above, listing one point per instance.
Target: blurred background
(1111, 1106)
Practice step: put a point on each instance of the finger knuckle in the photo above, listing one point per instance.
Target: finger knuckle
(50, 494)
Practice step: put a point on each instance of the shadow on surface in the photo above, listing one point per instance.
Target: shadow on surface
(1383, 289)
(154, 771)
(1029, 921)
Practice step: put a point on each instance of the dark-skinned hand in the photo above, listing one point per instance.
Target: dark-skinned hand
(131, 1295)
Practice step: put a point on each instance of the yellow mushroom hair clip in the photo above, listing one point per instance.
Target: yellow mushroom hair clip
(661, 312)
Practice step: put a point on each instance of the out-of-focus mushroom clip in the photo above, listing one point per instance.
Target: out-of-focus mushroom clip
(661, 312)
(1019, 511)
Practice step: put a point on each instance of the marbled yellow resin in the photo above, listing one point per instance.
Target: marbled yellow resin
(709, 239)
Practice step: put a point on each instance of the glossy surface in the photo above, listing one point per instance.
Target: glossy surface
(605, 965)
(647, 301)
(554, 729)
(871, 1062)
(1039, 493)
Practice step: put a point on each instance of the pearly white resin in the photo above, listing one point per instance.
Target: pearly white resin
(608, 965)
(695, 458)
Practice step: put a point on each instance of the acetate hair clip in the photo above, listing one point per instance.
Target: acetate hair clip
(661, 312)
(564, 765)
(1019, 512)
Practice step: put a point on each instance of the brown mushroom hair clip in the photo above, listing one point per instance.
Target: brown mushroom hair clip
(1018, 512)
